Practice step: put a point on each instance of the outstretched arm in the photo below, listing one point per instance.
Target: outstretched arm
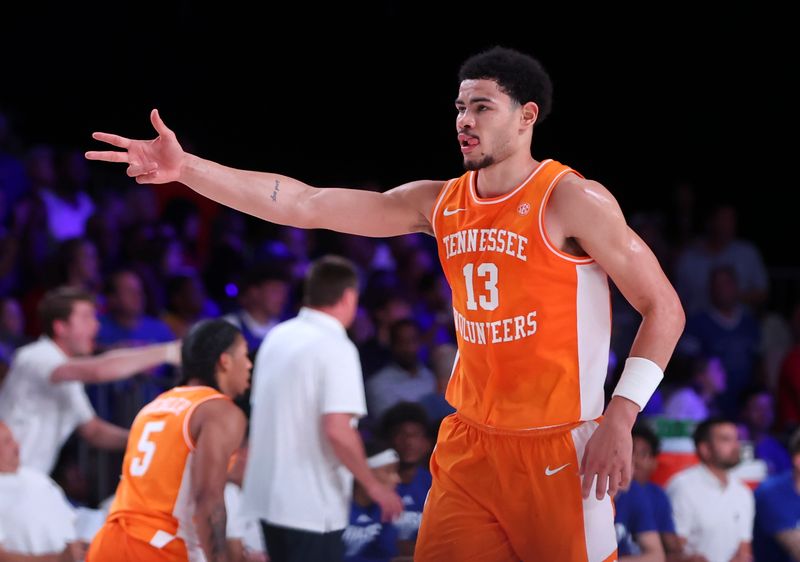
(104, 435)
(276, 198)
(584, 211)
(117, 364)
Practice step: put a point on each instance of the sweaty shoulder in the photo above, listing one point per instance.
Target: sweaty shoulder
(420, 195)
(219, 411)
(577, 203)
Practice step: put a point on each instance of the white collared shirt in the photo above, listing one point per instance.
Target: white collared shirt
(715, 519)
(35, 517)
(305, 368)
(40, 413)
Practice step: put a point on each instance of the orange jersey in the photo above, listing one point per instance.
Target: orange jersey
(154, 498)
(533, 323)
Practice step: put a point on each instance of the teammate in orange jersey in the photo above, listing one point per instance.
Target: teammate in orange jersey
(169, 504)
(523, 468)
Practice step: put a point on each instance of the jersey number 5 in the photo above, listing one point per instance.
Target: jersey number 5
(486, 270)
(139, 465)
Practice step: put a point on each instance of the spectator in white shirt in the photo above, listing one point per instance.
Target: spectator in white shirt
(713, 510)
(304, 449)
(43, 400)
(37, 524)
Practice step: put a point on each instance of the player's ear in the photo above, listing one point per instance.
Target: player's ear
(225, 361)
(530, 112)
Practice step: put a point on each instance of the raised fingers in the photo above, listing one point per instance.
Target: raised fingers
(158, 123)
(114, 140)
(107, 156)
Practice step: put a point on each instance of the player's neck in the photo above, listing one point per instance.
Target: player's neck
(503, 177)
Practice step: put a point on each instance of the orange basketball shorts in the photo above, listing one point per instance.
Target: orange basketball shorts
(513, 495)
(113, 544)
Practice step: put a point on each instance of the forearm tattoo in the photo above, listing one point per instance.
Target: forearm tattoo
(217, 521)
(274, 195)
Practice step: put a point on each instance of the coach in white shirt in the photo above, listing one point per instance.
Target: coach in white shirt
(304, 449)
(713, 510)
(42, 399)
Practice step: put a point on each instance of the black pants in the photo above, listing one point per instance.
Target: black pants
(294, 545)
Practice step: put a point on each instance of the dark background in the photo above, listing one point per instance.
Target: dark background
(341, 95)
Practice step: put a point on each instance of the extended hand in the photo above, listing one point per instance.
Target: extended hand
(152, 161)
(608, 456)
(390, 502)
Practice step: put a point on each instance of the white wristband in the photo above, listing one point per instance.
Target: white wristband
(639, 380)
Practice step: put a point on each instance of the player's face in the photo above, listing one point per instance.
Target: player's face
(78, 332)
(236, 378)
(487, 123)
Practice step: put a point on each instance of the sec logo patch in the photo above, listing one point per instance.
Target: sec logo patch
(524, 209)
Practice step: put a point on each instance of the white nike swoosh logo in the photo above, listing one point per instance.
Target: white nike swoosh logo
(549, 472)
(448, 212)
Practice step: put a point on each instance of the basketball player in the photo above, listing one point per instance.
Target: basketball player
(523, 468)
(169, 504)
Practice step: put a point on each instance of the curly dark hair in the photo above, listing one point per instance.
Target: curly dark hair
(518, 75)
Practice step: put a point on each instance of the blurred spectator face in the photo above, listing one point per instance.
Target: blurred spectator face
(85, 265)
(12, 321)
(722, 450)
(724, 289)
(41, 168)
(362, 329)
(758, 412)
(410, 440)
(141, 204)
(393, 311)
(192, 298)
(9, 450)
(722, 226)
(405, 346)
(442, 359)
(271, 297)
(75, 170)
(714, 379)
(644, 461)
(388, 475)
(128, 296)
(78, 332)
(172, 260)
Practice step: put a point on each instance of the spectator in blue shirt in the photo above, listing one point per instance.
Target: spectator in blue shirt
(776, 532)
(367, 538)
(728, 330)
(407, 430)
(646, 447)
(758, 417)
(637, 532)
